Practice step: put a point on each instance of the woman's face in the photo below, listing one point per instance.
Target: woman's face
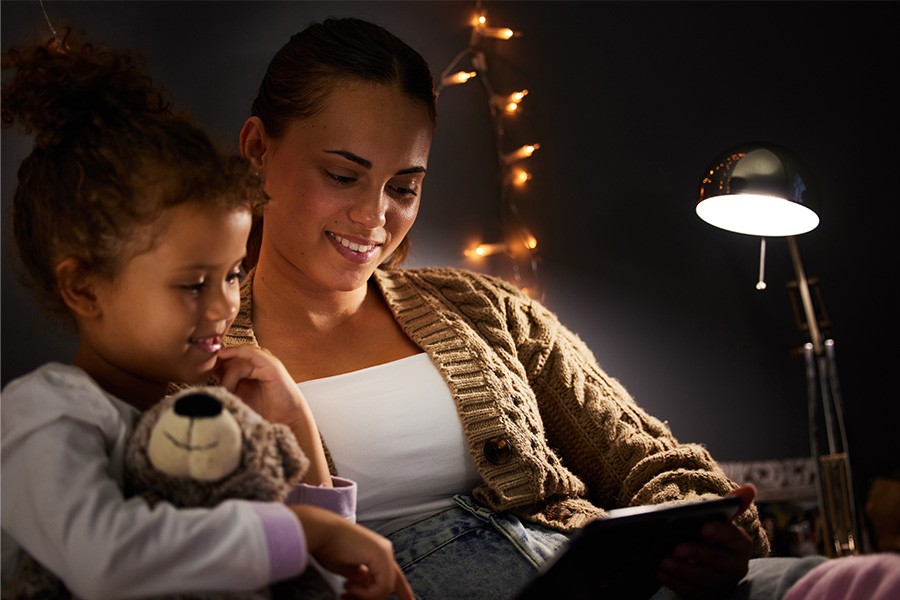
(345, 184)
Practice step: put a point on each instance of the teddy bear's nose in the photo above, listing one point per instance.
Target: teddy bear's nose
(197, 406)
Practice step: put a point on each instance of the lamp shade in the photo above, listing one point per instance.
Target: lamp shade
(759, 189)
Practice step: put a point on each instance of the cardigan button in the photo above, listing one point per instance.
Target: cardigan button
(498, 450)
(557, 512)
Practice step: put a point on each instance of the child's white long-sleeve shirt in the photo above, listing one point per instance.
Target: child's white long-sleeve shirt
(63, 443)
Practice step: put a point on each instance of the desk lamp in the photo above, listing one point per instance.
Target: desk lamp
(765, 190)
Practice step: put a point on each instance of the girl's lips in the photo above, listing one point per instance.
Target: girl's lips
(210, 345)
(356, 252)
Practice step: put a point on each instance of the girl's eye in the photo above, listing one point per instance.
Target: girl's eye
(194, 288)
(341, 178)
(235, 276)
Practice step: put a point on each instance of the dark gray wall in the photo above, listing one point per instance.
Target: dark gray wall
(630, 101)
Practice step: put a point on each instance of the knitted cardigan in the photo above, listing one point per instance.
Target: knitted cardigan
(555, 439)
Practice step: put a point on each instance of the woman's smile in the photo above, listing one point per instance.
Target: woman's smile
(356, 251)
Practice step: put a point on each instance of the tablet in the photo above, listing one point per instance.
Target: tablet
(616, 556)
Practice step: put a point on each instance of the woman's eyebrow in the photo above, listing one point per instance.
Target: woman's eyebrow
(410, 170)
(367, 164)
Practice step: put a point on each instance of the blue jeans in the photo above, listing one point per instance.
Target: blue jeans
(470, 552)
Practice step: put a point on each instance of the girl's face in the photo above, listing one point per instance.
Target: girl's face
(345, 184)
(163, 317)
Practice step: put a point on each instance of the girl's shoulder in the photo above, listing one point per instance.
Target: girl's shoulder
(56, 390)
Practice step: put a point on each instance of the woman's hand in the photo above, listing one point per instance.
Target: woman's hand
(707, 569)
(363, 557)
(258, 378)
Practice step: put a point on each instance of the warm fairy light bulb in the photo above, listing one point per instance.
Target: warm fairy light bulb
(519, 176)
(530, 240)
(458, 77)
(482, 250)
(518, 96)
(520, 154)
(510, 104)
(500, 33)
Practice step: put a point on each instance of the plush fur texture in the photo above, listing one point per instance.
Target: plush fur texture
(270, 465)
(271, 461)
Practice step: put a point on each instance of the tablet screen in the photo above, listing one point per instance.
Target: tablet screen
(616, 557)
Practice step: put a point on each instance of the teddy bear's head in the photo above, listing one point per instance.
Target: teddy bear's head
(204, 445)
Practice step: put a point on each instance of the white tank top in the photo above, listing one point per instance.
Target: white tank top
(394, 429)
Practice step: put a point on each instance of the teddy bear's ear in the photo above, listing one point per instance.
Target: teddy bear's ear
(293, 460)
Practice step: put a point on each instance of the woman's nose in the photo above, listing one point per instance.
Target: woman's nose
(369, 210)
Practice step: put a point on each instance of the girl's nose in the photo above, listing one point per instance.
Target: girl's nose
(222, 304)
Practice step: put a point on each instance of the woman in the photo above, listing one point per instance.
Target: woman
(464, 410)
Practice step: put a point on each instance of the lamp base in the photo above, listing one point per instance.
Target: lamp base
(839, 514)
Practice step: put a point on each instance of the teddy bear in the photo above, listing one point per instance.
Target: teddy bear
(196, 448)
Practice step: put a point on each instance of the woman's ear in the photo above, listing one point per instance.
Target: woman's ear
(75, 288)
(254, 142)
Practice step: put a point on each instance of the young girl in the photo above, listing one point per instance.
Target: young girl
(131, 225)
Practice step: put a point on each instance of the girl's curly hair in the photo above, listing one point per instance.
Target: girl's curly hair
(109, 156)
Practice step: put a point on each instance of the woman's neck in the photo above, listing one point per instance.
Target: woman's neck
(282, 297)
(319, 333)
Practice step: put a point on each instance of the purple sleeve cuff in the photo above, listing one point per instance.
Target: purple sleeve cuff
(340, 499)
(285, 539)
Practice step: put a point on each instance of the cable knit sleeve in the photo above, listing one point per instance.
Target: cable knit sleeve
(625, 456)
(555, 438)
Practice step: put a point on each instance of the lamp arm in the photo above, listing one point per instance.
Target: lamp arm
(812, 322)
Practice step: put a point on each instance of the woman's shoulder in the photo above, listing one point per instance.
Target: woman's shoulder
(451, 278)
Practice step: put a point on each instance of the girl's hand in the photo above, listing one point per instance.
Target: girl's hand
(707, 569)
(363, 557)
(258, 378)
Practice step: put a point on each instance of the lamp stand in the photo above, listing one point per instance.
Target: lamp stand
(834, 479)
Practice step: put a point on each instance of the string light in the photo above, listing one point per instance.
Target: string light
(500, 33)
(519, 176)
(519, 244)
(458, 78)
(520, 153)
(482, 250)
(509, 104)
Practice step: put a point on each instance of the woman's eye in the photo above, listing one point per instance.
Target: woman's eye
(341, 178)
(405, 192)
(235, 277)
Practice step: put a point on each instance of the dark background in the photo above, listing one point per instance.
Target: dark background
(630, 101)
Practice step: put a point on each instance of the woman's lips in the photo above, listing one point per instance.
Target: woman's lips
(356, 252)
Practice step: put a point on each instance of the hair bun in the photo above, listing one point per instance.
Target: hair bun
(65, 86)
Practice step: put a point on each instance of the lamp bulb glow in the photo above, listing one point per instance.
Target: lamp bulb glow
(756, 214)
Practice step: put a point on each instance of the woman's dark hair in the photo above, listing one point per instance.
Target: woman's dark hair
(109, 157)
(304, 71)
